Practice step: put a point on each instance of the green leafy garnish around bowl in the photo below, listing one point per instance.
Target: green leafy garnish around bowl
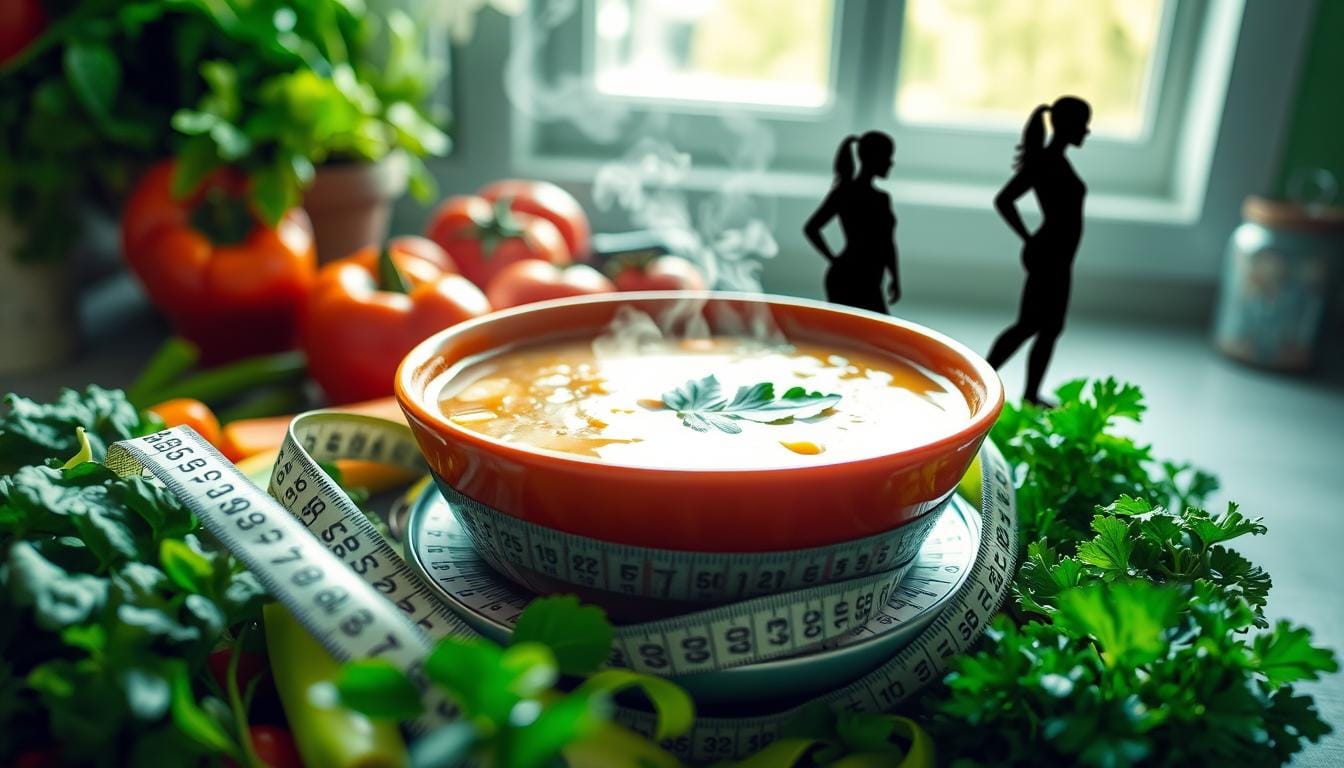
(701, 405)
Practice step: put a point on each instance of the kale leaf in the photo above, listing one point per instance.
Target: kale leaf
(32, 433)
(110, 600)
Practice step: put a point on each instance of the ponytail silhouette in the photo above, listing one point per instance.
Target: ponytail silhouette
(1048, 252)
(856, 273)
(844, 160)
(1033, 138)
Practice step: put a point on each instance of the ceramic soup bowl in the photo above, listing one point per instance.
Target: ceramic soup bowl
(712, 490)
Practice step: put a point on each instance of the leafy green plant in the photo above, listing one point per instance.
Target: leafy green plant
(511, 715)
(311, 82)
(111, 600)
(1071, 459)
(84, 106)
(1135, 540)
(275, 87)
(1136, 641)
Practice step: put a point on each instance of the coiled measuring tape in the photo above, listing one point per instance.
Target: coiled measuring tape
(317, 553)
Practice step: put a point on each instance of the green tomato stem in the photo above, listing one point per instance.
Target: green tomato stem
(389, 276)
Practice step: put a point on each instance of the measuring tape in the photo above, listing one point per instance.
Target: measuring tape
(317, 553)
(443, 552)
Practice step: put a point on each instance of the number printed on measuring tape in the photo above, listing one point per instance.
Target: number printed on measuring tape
(318, 553)
(284, 547)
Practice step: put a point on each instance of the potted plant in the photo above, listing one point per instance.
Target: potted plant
(73, 133)
(324, 103)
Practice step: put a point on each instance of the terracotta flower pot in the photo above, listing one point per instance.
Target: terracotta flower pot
(38, 325)
(350, 204)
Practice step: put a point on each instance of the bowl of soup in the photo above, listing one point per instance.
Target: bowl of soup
(699, 421)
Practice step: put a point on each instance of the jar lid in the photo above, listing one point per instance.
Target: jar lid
(1283, 214)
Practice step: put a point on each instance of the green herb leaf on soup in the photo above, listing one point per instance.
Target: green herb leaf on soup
(702, 406)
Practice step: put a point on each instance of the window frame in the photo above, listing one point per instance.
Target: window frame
(1204, 39)
(1131, 167)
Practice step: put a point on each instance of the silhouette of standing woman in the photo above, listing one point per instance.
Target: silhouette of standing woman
(1047, 253)
(855, 275)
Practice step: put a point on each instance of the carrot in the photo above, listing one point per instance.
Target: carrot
(369, 475)
(192, 413)
(246, 437)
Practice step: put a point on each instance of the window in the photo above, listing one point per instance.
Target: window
(986, 62)
(952, 80)
(742, 51)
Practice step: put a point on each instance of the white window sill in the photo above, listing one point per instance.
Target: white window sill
(965, 196)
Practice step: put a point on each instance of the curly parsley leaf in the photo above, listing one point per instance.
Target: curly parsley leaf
(701, 405)
(1071, 459)
(1129, 674)
(1128, 620)
(1286, 655)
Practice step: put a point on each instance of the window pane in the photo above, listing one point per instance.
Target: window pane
(753, 51)
(989, 62)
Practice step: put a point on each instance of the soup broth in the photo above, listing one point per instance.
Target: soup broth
(562, 396)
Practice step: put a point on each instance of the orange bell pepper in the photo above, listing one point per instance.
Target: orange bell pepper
(225, 280)
(369, 309)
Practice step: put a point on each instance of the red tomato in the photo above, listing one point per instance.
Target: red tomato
(250, 665)
(532, 280)
(20, 22)
(275, 746)
(481, 242)
(547, 201)
(37, 758)
(664, 273)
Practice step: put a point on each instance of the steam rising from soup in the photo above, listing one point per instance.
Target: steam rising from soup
(604, 398)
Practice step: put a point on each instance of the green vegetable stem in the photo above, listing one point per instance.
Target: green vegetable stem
(174, 357)
(219, 384)
(327, 735)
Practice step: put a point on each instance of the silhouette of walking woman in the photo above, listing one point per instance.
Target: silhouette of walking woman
(1047, 254)
(855, 275)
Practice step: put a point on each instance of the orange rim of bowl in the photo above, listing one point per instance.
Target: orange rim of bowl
(980, 422)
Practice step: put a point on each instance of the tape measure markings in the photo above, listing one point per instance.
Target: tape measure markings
(515, 546)
(440, 548)
(953, 631)
(390, 611)
(347, 615)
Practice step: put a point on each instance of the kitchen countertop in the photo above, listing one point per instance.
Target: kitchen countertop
(1275, 441)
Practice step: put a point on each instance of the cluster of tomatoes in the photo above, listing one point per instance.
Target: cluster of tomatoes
(235, 287)
(526, 241)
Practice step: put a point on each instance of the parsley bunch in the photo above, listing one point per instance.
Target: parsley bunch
(110, 601)
(1142, 637)
(1073, 458)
